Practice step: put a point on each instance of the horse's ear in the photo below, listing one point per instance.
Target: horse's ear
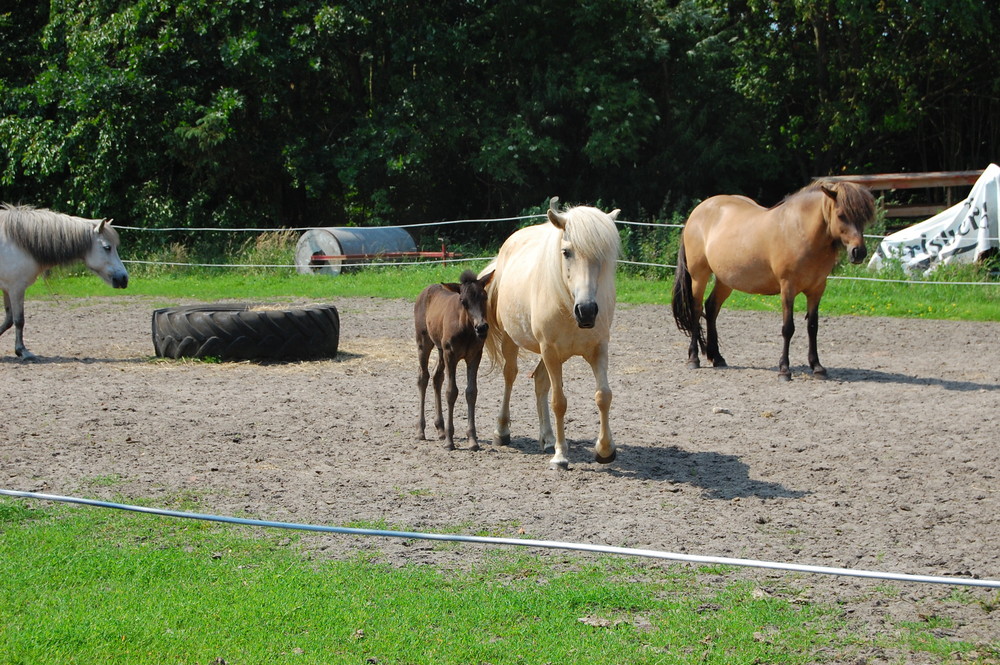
(614, 214)
(100, 227)
(829, 191)
(557, 218)
(487, 278)
(451, 286)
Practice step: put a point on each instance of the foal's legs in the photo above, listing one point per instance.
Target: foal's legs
(472, 393)
(451, 367)
(543, 384)
(508, 349)
(424, 348)
(438, 382)
(712, 308)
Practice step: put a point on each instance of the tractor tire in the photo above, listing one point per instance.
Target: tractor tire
(240, 332)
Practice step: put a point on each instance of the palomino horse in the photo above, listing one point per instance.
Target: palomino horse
(553, 293)
(452, 319)
(33, 240)
(788, 249)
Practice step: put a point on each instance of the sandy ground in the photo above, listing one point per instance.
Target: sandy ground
(891, 464)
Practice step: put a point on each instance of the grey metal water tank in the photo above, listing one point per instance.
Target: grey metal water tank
(369, 241)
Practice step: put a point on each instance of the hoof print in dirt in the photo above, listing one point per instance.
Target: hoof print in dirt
(246, 332)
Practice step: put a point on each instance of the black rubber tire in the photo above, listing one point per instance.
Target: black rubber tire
(240, 332)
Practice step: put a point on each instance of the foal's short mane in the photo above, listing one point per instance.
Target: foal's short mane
(50, 237)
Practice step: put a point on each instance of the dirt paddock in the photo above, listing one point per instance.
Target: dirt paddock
(891, 464)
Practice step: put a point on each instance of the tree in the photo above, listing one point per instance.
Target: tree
(856, 85)
(237, 113)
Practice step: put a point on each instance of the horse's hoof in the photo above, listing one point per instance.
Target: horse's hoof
(719, 362)
(474, 445)
(819, 373)
(607, 460)
(561, 465)
(501, 439)
(548, 447)
(784, 376)
(450, 445)
(693, 364)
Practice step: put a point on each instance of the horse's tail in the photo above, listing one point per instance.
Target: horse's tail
(492, 343)
(685, 309)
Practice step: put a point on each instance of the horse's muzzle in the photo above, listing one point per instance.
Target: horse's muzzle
(482, 330)
(119, 281)
(585, 314)
(857, 253)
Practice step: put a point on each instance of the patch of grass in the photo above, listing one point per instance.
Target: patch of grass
(109, 480)
(936, 300)
(90, 586)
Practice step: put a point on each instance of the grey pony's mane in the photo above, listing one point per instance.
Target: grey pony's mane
(51, 238)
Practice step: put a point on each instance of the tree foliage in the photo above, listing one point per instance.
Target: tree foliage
(235, 113)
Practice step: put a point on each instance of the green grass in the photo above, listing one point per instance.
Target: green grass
(81, 585)
(931, 300)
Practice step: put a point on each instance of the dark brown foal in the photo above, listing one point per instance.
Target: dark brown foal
(452, 319)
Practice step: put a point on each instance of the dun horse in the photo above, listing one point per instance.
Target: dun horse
(452, 319)
(34, 240)
(788, 249)
(553, 293)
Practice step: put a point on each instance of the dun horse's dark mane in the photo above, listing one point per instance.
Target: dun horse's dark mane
(854, 202)
(51, 238)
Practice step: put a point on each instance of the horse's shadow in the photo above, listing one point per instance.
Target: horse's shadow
(720, 476)
(861, 375)
(851, 375)
(67, 360)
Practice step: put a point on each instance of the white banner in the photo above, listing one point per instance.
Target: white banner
(962, 233)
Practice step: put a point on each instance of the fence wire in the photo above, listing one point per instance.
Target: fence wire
(521, 542)
(376, 263)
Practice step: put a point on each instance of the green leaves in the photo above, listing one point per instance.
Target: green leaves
(246, 112)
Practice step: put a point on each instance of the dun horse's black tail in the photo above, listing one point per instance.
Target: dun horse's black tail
(686, 314)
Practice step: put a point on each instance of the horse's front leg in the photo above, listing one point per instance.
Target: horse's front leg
(604, 450)
(812, 326)
(546, 438)
(508, 349)
(8, 320)
(15, 316)
(472, 393)
(553, 367)
(787, 330)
